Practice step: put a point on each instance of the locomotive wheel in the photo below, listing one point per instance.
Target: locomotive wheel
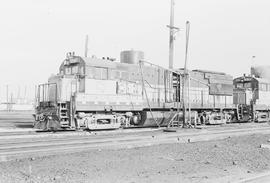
(202, 120)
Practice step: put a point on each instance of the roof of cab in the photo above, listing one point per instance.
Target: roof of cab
(249, 78)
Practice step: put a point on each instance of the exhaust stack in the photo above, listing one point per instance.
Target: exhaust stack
(86, 46)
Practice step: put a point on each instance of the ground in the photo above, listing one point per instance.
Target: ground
(213, 161)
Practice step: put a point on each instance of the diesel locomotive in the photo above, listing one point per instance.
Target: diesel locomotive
(252, 95)
(92, 93)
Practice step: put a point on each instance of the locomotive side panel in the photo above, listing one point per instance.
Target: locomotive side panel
(210, 95)
(156, 89)
(95, 103)
(263, 100)
(210, 90)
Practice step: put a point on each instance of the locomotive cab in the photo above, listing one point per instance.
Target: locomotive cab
(244, 95)
(251, 95)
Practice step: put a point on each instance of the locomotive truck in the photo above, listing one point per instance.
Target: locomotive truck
(92, 93)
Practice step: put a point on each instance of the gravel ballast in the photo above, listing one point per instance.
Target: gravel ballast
(225, 160)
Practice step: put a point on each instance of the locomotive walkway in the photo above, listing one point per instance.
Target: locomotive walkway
(36, 145)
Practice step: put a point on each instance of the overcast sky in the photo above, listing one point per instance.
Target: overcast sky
(35, 35)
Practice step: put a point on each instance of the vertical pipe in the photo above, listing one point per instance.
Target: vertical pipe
(38, 95)
(183, 100)
(11, 100)
(45, 92)
(159, 87)
(86, 46)
(165, 85)
(56, 94)
(178, 98)
(189, 110)
(185, 72)
(35, 102)
(43, 99)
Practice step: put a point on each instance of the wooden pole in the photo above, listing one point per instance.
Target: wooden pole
(171, 37)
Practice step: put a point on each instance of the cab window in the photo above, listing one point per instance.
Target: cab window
(247, 85)
(74, 70)
(68, 70)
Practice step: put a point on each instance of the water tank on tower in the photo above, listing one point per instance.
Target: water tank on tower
(131, 56)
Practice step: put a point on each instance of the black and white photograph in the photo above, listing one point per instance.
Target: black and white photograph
(135, 91)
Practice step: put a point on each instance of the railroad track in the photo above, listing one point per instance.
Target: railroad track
(22, 119)
(35, 145)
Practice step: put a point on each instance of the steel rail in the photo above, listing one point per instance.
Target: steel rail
(35, 148)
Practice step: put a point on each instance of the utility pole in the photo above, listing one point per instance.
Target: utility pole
(185, 74)
(86, 46)
(173, 30)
